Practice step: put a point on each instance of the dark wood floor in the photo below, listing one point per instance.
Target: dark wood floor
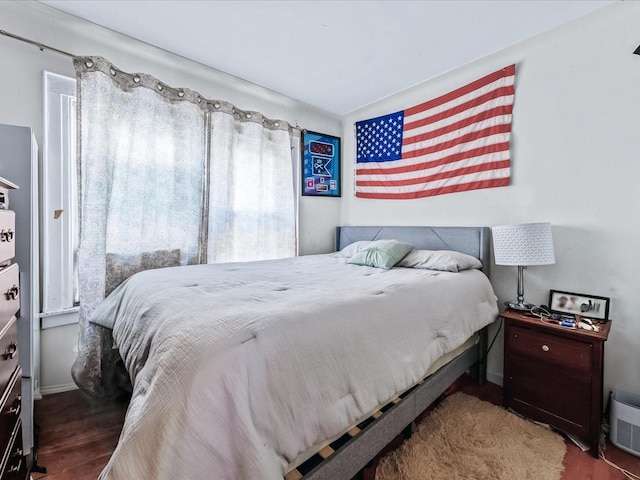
(78, 434)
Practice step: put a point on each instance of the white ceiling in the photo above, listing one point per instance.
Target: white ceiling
(335, 55)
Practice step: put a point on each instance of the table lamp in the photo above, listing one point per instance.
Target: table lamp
(523, 245)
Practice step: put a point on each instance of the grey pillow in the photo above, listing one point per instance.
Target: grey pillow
(443, 260)
(381, 254)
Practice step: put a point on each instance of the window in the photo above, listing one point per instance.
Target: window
(60, 231)
(59, 197)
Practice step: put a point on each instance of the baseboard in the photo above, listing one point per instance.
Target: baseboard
(495, 378)
(58, 388)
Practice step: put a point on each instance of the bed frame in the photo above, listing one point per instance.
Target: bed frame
(360, 446)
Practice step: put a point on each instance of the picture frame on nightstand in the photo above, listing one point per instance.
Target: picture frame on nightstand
(579, 304)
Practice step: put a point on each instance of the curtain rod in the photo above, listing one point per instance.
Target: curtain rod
(41, 46)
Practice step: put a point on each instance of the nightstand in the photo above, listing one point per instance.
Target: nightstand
(553, 374)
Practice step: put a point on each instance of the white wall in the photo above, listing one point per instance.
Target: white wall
(575, 153)
(21, 104)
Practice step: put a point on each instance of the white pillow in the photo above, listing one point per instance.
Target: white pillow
(443, 260)
(353, 248)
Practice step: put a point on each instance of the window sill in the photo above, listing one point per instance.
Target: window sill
(60, 318)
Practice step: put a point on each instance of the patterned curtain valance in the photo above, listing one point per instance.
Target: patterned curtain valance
(129, 81)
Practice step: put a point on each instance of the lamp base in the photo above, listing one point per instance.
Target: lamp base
(523, 307)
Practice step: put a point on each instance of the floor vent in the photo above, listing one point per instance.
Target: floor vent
(625, 421)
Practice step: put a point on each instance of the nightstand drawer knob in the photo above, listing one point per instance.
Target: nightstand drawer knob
(545, 348)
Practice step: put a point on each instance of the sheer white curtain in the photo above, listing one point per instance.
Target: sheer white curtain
(251, 206)
(169, 178)
(142, 176)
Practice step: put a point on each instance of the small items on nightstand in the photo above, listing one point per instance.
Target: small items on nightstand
(587, 324)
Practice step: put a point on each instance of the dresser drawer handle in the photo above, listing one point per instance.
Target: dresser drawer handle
(545, 348)
(16, 468)
(12, 293)
(10, 352)
(6, 236)
(16, 408)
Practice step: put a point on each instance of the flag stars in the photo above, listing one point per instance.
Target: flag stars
(379, 139)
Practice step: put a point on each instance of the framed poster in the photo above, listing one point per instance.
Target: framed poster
(321, 173)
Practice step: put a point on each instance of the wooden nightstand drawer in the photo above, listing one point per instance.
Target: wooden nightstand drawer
(550, 348)
(542, 391)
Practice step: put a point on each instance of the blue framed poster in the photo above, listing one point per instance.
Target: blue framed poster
(320, 165)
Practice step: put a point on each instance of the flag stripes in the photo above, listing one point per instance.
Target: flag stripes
(421, 133)
(458, 141)
(409, 175)
(460, 187)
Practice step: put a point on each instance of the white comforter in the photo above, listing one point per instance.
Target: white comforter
(239, 368)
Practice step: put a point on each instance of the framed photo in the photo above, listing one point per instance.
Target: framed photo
(321, 169)
(590, 306)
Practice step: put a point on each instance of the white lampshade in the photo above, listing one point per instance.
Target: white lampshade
(524, 244)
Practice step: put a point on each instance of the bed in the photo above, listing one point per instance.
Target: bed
(246, 371)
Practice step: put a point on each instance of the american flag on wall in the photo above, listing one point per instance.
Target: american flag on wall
(456, 142)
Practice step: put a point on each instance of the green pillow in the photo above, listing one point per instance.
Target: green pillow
(381, 254)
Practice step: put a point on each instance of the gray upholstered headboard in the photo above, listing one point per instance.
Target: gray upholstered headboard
(470, 240)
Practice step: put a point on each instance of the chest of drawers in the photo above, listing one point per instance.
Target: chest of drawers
(12, 461)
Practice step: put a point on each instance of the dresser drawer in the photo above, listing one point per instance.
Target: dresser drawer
(14, 466)
(4, 196)
(8, 353)
(9, 294)
(7, 235)
(550, 348)
(10, 410)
